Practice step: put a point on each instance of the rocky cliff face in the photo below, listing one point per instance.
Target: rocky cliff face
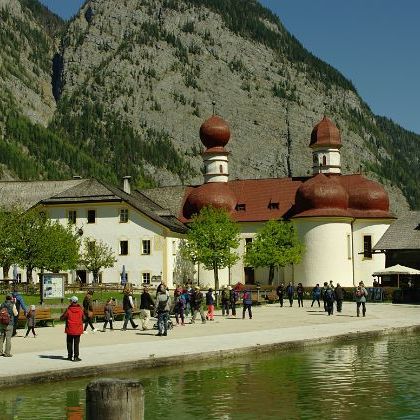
(135, 79)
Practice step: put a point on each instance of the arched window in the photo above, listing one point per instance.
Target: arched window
(221, 169)
(324, 160)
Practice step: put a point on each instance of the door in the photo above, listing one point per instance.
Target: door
(81, 276)
(249, 275)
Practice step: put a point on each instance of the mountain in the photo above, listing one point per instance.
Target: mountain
(132, 81)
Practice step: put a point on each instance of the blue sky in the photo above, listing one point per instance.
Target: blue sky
(374, 43)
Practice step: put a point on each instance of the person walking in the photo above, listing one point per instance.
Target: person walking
(290, 290)
(88, 311)
(163, 307)
(233, 298)
(179, 305)
(7, 313)
(361, 294)
(247, 303)
(339, 296)
(74, 328)
(225, 301)
(108, 315)
(316, 294)
(329, 299)
(324, 289)
(196, 305)
(19, 304)
(128, 306)
(146, 305)
(299, 291)
(280, 293)
(210, 305)
(30, 319)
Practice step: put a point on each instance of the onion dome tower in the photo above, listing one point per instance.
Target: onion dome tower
(215, 192)
(325, 144)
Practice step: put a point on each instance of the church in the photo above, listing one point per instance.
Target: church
(339, 218)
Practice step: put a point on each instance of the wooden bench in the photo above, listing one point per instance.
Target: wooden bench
(42, 317)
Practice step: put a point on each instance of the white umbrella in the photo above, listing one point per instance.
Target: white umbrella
(397, 270)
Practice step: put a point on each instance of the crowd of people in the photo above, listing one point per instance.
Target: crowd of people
(185, 301)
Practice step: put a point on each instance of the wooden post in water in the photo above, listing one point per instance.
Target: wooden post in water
(110, 399)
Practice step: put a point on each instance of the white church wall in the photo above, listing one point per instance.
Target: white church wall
(327, 256)
(364, 267)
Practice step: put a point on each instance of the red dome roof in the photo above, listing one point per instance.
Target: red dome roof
(214, 132)
(325, 133)
(215, 194)
(365, 194)
(321, 196)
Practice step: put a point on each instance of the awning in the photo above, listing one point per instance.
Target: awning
(397, 269)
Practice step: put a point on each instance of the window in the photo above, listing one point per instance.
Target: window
(240, 207)
(91, 216)
(324, 160)
(123, 247)
(273, 206)
(367, 246)
(123, 215)
(221, 169)
(72, 216)
(248, 241)
(145, 247)
(174, 248)
(145, 278)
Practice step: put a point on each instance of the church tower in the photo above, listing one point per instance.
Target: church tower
(325, 144)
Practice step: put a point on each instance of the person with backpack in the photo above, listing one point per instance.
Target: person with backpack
(179, 305)
(7, 313)
(360, 295)
(233, 298)
(329, 299)
(323, 290)
(74, 328)
(30, 317)
(225, 301)
(210, 305)
(247, 303)
(299, 291)
(108, 315)
(128, 306)
(163, 307)
(196, 305)
(290, 292)
(316, 294)
(280, 293)
(19, 303)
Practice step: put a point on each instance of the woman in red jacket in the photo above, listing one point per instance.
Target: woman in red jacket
(74, 328)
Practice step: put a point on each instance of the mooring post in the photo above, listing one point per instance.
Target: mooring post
(110, 399)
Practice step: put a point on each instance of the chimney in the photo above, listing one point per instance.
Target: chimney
(126, 184)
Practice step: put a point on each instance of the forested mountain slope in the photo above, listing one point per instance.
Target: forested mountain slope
(135, 79)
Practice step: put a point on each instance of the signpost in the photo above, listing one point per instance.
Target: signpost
(52, 286)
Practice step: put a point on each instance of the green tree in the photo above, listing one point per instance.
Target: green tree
(8, 229)
(43, 244)
(184, 267)
(95, 256)
(212, 240)
(276, 245)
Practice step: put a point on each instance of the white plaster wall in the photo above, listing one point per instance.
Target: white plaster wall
(326, 255)
(213, 173)
(108, 229)
(333, 158)
(364, 267)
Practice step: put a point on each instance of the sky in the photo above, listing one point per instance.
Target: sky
(374, 43)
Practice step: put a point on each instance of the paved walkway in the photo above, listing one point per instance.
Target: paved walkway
(42, 358)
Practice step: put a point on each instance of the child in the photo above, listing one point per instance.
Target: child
(108, 315)
(31, 321)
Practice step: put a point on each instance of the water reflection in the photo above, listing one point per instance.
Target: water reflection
(362, 379)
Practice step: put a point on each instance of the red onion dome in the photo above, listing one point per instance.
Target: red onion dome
(215, 194)
(365, 194)
(214, 132)
(325, 133)
(321, 196)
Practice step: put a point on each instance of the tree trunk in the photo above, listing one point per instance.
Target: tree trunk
(216, 277)
(95, 276)
(6, 269)
(29, 275)
(271, 275)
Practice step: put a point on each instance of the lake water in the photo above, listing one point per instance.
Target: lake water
(375, 379)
